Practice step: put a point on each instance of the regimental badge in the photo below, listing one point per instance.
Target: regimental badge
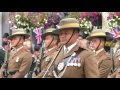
(61, 66)
(17, 59)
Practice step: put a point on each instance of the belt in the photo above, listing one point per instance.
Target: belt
(12, 72)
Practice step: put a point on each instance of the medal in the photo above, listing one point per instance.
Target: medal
(78, 64)
(72, 64)
(60, 66)
(75, 64)
(68, 64)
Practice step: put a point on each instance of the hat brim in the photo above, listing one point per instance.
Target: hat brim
(45, 34)
(49, 33)
(59, 30)
(107, 37)
(11, 36)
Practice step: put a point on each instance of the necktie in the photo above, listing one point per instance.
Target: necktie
(66, 50)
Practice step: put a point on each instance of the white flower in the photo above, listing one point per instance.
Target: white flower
(112, 19)
(17, 16)
(81, 25)
(116, 16)
(18, 22)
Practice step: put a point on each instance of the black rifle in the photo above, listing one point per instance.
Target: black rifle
(5, 65)
(36, 64)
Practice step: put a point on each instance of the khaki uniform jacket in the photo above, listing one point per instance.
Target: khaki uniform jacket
(104, 63)
(116, 58)
(46, 60)
(21, 61)
(88, 65)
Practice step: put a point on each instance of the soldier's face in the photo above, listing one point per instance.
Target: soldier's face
(65, 35)
(94, 43)
(15, 41)
(48, 40)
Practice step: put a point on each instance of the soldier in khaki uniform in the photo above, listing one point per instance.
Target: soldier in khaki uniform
(98, 38)
(72, 61)
(20, 59)
(116, 58)
(51, 46)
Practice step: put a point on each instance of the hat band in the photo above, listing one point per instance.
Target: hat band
(70, 25)
(98, 34)
(19, 33)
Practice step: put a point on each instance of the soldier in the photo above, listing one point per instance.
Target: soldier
(2, 54)
(116, 59)
(51, 45)
(72, 61)
(98, 38)
(20, 59)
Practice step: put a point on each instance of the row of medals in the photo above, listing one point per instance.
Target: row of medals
(73, 62)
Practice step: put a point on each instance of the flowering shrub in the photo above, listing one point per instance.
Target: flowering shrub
(86, 23)
(23, 21)
(89, 19)
(114, 20)
(51, 19)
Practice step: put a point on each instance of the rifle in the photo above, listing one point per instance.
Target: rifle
(5, 65)
(35, 65)
(113, 68)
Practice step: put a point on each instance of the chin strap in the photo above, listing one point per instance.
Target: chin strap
(70, 38)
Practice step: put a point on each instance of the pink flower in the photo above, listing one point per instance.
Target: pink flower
(118, 14)
(80, 19)
(84, 14)
(95, 13)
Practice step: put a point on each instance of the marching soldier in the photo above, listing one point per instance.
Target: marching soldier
(116, 59)
(71, 61)
(20, 59)
(51, 46)
(98, 39)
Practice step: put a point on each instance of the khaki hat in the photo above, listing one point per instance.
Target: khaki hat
(48, 31)
(17, 32)
(98, 33)
(67, 23)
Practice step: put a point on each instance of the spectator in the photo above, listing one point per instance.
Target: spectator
(5, 37)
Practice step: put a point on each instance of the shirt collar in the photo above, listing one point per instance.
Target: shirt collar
(16, 50)
(48, 50)
(19, 48)
(100, 50)
(67, 49)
